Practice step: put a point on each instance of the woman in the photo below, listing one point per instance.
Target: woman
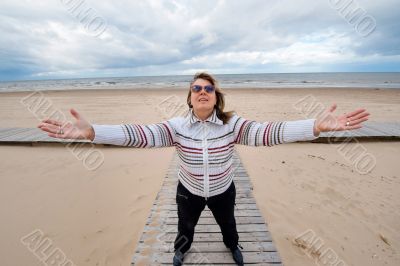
(204, 141)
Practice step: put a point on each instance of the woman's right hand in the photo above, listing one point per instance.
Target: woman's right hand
(81, 129)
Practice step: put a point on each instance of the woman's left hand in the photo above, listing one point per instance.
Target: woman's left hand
(329, 122)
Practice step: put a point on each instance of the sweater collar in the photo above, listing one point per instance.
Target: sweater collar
(213, 118)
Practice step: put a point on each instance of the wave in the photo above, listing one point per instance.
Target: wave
(290, 80)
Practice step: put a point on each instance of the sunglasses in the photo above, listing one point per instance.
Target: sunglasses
(207, 88)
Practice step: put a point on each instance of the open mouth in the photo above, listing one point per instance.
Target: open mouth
(203, 100)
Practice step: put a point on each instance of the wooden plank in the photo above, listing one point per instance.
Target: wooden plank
(5, 131)
(240, 200)
(243, 206)
(239, 178)
(239, 195)
(239, 190)
(220, 258)
(25, 135)
(169, 237)
(29, 135)
(369, 131)
(208, 213)
(214, 228)
(211, 246)
(211, 220)
(143, 262)
(240, 183)
(167, 194)
(12, 132)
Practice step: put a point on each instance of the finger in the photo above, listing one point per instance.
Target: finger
(50, 129)
(59, 136)
(356, 112)
(46, 129)
(41, 125)
(53, 122)
(332, 108)
(353, 127)
(358, 121)
(359, 116)
(75, 114)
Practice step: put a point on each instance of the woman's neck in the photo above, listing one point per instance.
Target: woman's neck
(203, 114)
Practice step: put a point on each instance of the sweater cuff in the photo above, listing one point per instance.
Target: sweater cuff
(300, 130)
(109, 134)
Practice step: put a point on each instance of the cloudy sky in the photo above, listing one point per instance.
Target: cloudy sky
(86, 38)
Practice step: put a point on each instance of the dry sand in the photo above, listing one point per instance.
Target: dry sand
(96, 217)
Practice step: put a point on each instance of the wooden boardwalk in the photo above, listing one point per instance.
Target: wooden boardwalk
(156, 244)
(17, 135)
(372, 131)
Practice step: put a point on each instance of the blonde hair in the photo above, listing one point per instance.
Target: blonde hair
(220, 105)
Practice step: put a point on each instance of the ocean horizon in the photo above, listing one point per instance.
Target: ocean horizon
(384, 80)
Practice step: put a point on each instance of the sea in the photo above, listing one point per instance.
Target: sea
(381, 80)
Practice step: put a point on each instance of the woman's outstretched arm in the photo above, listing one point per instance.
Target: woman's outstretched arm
(81, 129)
(139, 136)
(253, 133)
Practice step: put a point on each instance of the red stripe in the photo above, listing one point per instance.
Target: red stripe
(189, 148)
(264, 135)
(221, 150)
(195, 176)
(169, 133)
(177, 147)
(220, 146)
(139, 135)
(268, 127)
(144, 136)
(219, 178)
(222, 173)
(240, 131)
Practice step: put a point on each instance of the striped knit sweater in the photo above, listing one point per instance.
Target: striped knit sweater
(205, 148)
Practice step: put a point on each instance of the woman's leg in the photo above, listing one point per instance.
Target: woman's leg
(223, 206)
(189, 209)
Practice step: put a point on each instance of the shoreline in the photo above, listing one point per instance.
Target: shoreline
(156, 89)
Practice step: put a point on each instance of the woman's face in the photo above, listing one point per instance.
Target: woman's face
(202, 100)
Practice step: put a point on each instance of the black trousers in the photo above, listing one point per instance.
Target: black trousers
(189, 209)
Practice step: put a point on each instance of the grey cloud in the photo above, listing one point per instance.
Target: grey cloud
(156, 36)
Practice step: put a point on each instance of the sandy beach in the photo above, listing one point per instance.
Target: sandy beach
(97, 217)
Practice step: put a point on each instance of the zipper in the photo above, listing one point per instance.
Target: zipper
(205, 160)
